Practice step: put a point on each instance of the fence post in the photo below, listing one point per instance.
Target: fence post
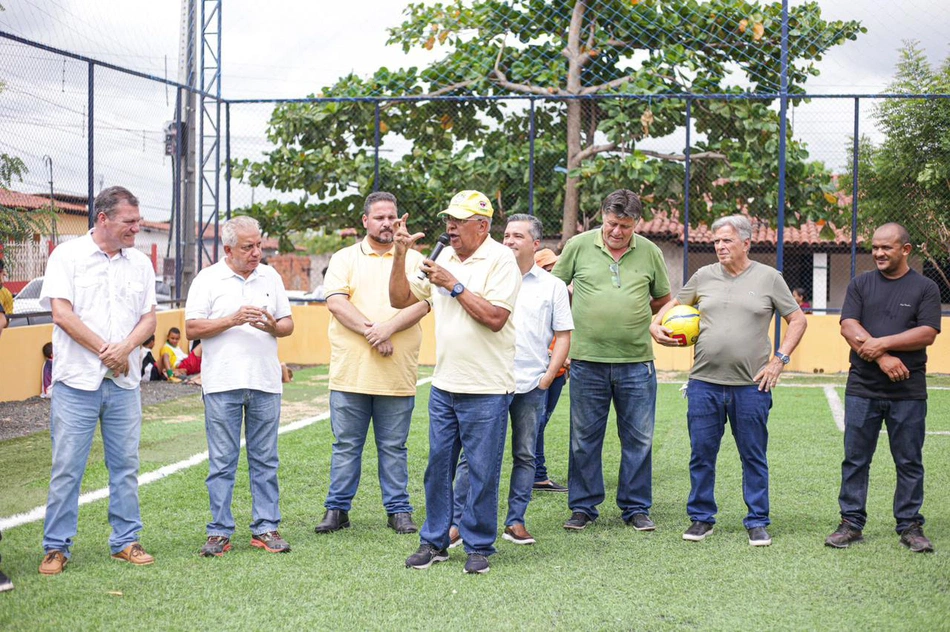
(227, 159)
(854, 186)
(376, 148)
(532, 131)
(90, 162)
(783, 130)
(689, 122)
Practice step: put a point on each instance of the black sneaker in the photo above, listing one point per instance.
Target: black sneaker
(216, 546)
(698, 531)
(426, 556)
(548, 486)
(578, 521)
(758, 536)
(476, 564)
(641, 522)
(844, 536)
(914, 539)
(5, 583)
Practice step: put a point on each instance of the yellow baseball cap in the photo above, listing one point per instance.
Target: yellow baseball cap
(467, 203)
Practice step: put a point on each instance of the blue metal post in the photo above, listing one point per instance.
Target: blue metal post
(227, 160)
(90, 153)
(854, 187)
(532, 131)
(783, 130)
(376, 142)
(689, 122)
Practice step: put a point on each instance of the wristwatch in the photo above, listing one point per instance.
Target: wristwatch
(457, 289)
(784, 358)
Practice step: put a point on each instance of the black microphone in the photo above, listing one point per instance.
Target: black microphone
(440, 245)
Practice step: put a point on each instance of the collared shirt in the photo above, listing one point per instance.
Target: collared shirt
(543, 308)
(240, 357)
(611, 303)
(109, 295)
(362, 275)
(470, 357)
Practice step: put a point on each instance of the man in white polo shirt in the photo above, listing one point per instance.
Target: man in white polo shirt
(542, 314)
(374, 359)
(101, 291)
(238, 309)
(473, 289)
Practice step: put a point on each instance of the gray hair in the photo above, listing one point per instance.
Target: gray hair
(622, 203)
(534, 224)
(108, 199)
(378, 196)
(241, 223)
(739, 223)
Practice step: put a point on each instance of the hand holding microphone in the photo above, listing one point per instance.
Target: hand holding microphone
(440, 245)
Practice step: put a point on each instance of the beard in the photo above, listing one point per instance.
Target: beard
(383, 238)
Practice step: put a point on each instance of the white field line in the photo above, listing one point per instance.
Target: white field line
(837, 411)
(39, 513)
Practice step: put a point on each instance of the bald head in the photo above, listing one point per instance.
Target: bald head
(893, 231)
(890, 248)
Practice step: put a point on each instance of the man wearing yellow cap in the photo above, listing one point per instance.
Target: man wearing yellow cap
(472, 289)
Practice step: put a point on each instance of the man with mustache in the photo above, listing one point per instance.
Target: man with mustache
(889, 318)
(374, 357)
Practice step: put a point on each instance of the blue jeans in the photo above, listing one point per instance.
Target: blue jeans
(527, 411)
(260, 413)
(554, 394)
(632, 389)
(477, 424)
(73, 417)
(747, 409)
(350, 414)
(905, 420)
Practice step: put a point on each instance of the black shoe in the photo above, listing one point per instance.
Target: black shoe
(698, 531)
(914, 539)
(5, 583)
(844, 536)
(426, 556)
(333, 520)
(758, 536)
(641, 522)
(578, 521)
(548, 486)
(216, 546)
(402, 523)
(476, 564)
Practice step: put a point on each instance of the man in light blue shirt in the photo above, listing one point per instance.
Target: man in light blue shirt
(542, 313)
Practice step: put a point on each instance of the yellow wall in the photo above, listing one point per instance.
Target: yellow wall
(821, 351)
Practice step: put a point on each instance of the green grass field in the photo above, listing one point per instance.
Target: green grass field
(605, 578)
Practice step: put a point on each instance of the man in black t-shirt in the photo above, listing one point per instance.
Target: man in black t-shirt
(889, 318)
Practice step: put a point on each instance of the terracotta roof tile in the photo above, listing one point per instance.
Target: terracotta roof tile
(27, 202)
(667, 226)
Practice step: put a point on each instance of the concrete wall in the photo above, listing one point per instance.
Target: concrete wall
(821, 351)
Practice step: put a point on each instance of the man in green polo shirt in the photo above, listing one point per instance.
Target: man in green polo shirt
(620, 280)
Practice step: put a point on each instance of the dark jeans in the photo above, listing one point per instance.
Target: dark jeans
(905, 420)
(747, 410)
(554, 394)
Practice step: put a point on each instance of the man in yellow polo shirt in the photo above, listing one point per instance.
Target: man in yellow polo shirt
(374, 356)
(473, 288)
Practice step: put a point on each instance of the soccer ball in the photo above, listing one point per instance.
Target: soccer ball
(684, 321)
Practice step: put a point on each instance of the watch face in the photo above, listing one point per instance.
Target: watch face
(458, 289)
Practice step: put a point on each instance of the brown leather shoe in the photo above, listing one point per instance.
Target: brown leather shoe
(134, 554)
(518, 534)
(53, 563)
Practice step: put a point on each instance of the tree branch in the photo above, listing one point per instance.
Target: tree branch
(703, 155)
(595, 149)
(498, 77)
(445, 90)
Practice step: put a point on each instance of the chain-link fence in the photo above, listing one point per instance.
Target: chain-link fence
(546, 107)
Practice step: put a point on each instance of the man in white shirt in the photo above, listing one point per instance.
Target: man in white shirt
(542, 313)
(101, 291)
(238, 308)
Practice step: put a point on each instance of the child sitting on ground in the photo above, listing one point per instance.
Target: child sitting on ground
(171, 354)
(150, 370)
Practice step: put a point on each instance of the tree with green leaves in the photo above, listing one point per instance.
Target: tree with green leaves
(574, 59)
(906, 177)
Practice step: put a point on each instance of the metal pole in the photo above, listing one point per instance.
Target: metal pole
(532, 131)
(227, 159)
(376, 140)
(689, 122)
(176, 211)
(783, 129)
(90, 149)
(854, 187)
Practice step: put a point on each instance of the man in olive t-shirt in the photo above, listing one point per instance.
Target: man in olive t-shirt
(620, 280)
(734, 372)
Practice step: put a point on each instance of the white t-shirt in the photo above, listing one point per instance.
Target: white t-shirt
(543, 307)
(240, 357)
(110, 296)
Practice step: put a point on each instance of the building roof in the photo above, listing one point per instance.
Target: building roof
(666, 226)
(27, 202)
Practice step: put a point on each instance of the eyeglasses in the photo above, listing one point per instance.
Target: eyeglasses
(615, 274)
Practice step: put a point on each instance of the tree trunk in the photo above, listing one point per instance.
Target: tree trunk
(574, 63)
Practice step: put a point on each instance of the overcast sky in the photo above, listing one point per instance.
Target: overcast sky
(291, 48)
